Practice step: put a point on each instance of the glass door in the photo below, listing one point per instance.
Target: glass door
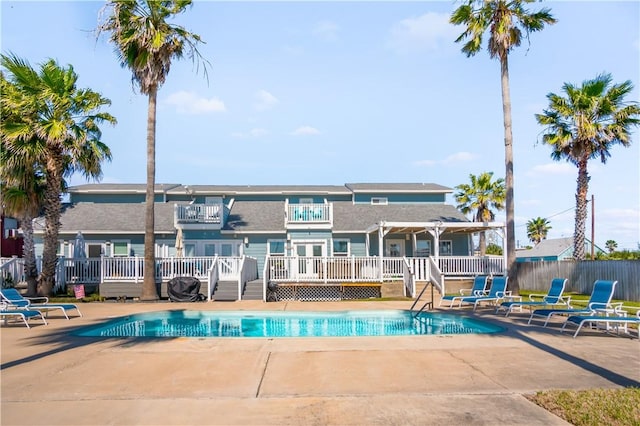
(309, 258)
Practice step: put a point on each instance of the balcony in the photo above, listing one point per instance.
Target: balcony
(313, 215)
(198, 214)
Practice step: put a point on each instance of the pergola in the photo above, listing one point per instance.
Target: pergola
(435, 229)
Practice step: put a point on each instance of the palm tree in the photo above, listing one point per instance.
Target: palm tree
(537, 230)
(479, 198)
(584, 125)
(611, 245)
(146, 44)
(58, 124)
(506, 21)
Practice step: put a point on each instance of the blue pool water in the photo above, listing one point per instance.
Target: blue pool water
(182, 323)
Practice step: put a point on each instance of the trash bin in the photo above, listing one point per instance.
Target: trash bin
(184, 289)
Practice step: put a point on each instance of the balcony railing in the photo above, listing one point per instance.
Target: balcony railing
(315, 213)
(198, 213)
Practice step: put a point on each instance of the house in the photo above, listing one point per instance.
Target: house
(300, 234)
(552, 250)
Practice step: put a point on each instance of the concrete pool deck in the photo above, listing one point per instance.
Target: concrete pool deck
(51, 378)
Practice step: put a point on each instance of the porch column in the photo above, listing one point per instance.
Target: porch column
(503, 233)
(380, 249)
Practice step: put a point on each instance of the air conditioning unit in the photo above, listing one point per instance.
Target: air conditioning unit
(13, 233)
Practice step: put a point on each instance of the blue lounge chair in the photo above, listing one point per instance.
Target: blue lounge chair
(600, 299)
(553, 297)
(16, 301)
(478, 289)
(21, 314)
(497, 291)
(619, 320)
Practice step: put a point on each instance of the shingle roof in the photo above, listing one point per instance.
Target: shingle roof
(397, 187)
(112, 217)
(266, 189)
(120, 188)
(546, 248)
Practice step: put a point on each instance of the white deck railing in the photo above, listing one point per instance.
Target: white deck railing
(471, 265)
(198, 213)
(323, 269)
(309, 213)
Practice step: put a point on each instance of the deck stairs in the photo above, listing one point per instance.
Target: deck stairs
(226, 291)
(253, 290)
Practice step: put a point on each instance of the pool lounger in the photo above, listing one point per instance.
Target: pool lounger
(581, 320)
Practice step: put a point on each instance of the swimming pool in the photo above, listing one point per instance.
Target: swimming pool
(183, 323)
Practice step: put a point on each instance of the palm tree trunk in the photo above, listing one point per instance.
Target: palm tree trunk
(29, 256)
(482, 243)
(508, 161)
(53, 205)
(149, 292)
(581, 209)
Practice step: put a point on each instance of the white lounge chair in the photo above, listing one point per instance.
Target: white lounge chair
(478, 289)
(497, 291)
(617, 318)
(25, 315)
(600, 299)
(553, 297)
(13, 299)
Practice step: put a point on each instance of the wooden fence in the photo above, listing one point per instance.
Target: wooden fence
(537, 276)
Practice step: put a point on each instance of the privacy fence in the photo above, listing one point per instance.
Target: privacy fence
(581, 275)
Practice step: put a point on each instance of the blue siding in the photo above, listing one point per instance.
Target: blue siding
(401, 198)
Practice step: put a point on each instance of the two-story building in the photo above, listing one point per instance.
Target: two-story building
(304, 235)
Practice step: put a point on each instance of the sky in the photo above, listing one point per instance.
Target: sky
(332, 92)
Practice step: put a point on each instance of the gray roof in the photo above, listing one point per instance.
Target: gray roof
(120, 188)
(251, 216)
(112, 218)
(547, 248)
(247, 216)
(397, 187)
(263, 189)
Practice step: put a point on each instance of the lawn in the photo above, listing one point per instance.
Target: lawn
(594, 407)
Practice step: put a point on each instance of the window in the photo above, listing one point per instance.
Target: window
(120, 248)
(276, 247)
(445, 248)
(423, 248)
(380, 200)
(305, 201)
(341, 247)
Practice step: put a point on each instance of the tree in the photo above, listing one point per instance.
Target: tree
(537, 229)
(58, 124)
(479, 198)
(505, 21)
(146, 44)
(584, 125)
(611, 245)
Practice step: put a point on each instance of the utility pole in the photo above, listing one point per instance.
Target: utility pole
(593, 227)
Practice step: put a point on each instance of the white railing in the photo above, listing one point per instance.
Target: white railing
(437, 279)
(323, 269)
(12, 270)
(420, 267)
(392, 268)
(408, 278)
(212, 274)
(79, 270)
(471, 265)
(309, 213)
(198, 213)
(116, 269)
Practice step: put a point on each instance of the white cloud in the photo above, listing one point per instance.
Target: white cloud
(191, 103)
(458, 157)
(553, 169)
(265, 100)
(426, 32)
(326, 30)
(253, 133)
(305, 131)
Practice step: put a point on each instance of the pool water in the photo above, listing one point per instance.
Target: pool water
(182, 323)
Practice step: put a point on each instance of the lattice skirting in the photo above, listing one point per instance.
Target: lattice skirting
(326, 293)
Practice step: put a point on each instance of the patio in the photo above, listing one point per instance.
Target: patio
(52, 378)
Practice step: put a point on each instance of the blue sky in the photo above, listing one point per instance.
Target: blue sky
(335, 92)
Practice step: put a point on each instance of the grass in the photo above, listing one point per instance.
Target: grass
(594, 407)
